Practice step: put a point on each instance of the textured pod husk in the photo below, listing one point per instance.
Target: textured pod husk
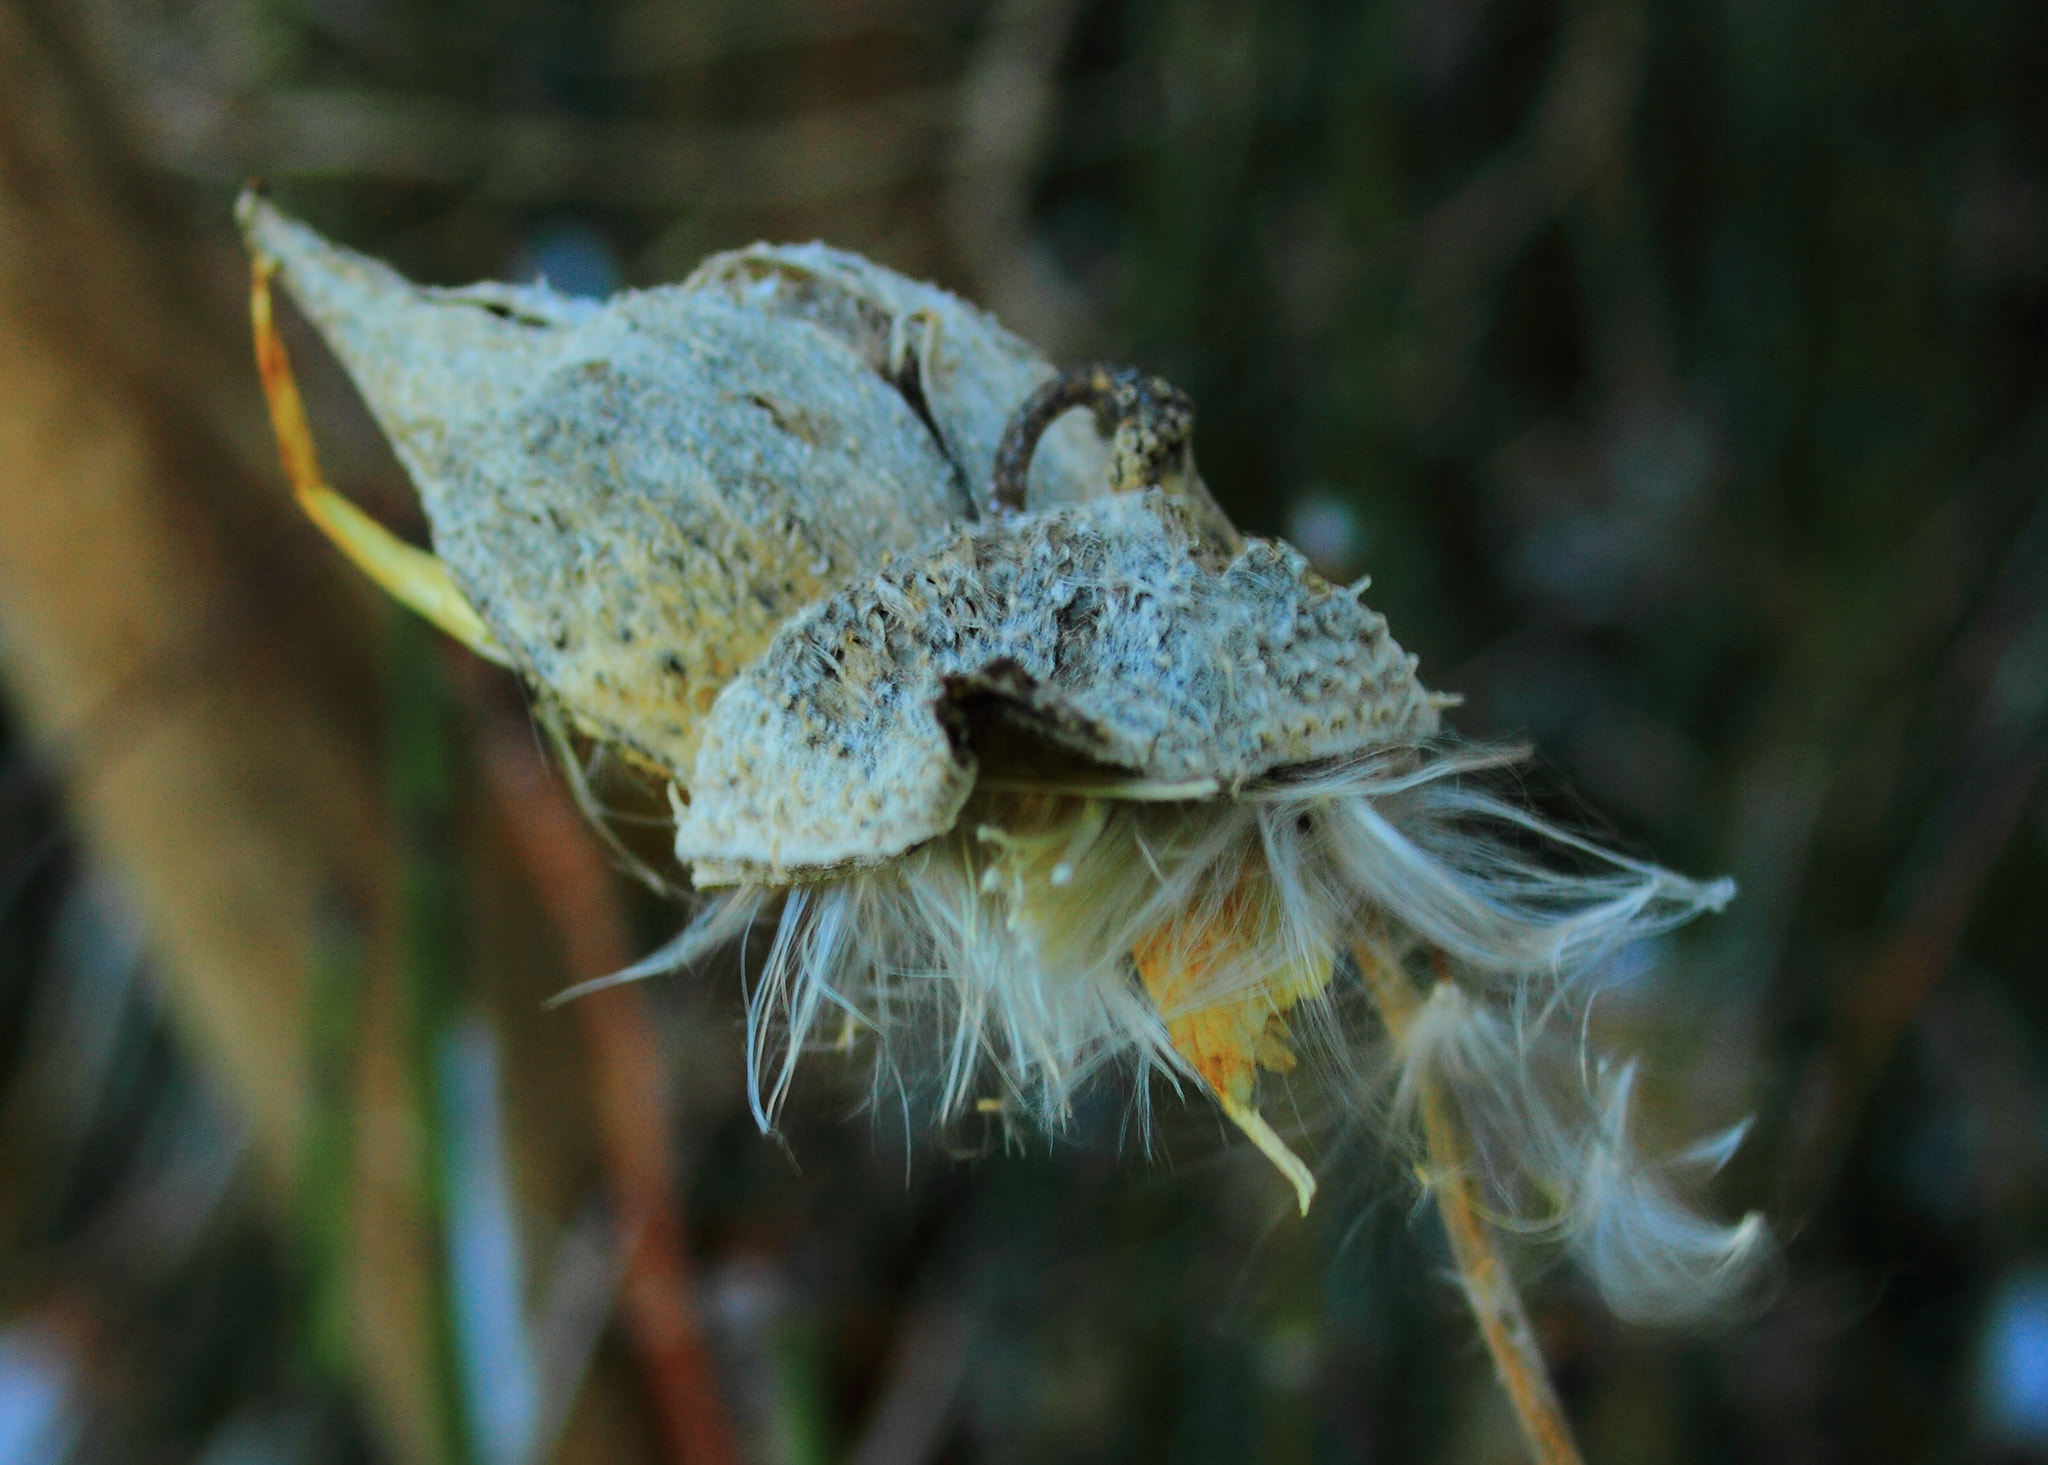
(635, 495)
(1110, 635)
(732, 527)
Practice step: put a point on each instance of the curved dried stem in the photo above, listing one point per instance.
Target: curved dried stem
(1151, 420)
(1489, 1288)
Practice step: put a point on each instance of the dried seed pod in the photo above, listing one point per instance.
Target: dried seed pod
(634, 495)
(1030, 780)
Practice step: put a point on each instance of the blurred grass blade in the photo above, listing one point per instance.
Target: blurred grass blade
(570, 1317)
(38, 1423)
(327, 1165)
(418, 760)
(494, 1354)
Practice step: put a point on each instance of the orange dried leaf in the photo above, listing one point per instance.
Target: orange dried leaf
(1229, 1039)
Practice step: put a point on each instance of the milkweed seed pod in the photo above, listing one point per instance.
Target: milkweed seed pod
(1035, 766)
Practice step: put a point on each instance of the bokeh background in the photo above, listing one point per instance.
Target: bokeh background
(1676, 369)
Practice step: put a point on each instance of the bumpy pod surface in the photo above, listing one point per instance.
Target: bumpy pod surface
(1112, 632)
(635, 495)
(732, 527)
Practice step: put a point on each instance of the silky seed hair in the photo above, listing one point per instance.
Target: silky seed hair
(995, 963)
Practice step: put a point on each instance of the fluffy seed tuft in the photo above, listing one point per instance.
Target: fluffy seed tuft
(1056, 933)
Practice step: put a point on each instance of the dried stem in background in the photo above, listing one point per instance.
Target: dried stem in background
(576, 887)
(1963, 838)
(1489, 1288)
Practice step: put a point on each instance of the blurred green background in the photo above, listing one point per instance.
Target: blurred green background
(1677, 372)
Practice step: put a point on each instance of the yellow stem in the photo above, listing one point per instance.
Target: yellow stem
(1490, 1290)
(410, 575)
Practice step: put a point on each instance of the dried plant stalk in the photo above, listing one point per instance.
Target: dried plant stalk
(657, 1292)
(1488, 1285)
